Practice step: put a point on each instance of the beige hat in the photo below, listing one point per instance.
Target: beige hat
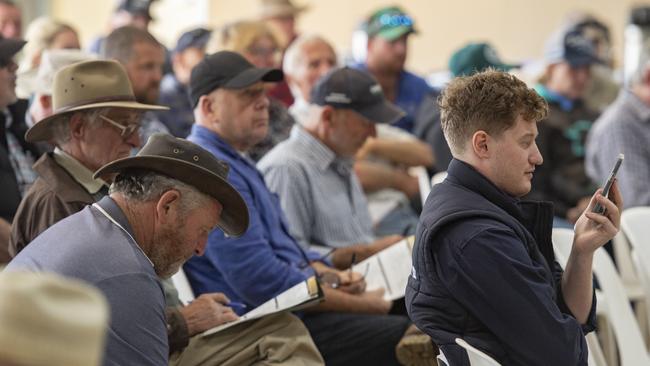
(86, 85)
(278, 8)
(40, 80)
(50, 320)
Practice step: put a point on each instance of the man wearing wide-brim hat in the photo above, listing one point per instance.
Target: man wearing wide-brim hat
(95, 121)
(162, 205)
(281, 15)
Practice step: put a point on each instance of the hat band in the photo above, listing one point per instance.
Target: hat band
(112, 98)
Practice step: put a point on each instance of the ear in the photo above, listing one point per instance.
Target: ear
(645, 77)
(45, 101)
(480, 144)
(167, 206)
(77, 126)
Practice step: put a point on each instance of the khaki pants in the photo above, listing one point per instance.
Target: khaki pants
(279, 339)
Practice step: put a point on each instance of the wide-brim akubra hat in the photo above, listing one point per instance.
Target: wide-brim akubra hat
(191, 164)
(86, 85)
(279, 8)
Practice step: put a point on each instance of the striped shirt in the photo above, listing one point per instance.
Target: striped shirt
(624, 127)
(319, 192)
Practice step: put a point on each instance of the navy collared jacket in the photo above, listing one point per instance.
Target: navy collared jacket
(484, 271)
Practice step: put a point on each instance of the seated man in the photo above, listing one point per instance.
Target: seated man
(562, 135)
(483, 264)
(623, 128)
(86, 138)
(231, 111)
(312, 171)
(380, 164)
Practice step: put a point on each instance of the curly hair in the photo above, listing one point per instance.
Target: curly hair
(489, 101)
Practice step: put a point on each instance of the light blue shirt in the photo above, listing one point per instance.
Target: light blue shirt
(319, 192)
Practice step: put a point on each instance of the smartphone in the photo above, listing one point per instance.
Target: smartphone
(608, 185)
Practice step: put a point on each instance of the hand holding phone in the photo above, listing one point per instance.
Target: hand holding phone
(598, 208)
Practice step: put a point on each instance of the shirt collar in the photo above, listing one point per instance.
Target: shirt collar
(641, 109)
(78, 171)
(565, 103)
(309, 145)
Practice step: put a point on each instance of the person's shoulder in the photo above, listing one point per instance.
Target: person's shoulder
(283, 154)
(415, 81)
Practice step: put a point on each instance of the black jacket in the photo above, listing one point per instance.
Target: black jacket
(9, 192)
(484, 271)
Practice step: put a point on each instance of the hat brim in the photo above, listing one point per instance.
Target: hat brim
(584, 61)
(253, 75)
(281, 11)
(41, 130)
(234, 216)
(395, 32)
(9, 47)
(381, 113)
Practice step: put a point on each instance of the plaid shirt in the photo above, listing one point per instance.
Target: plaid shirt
(21, 160)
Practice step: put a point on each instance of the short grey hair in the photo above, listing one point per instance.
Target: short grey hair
(61, 127)
(142, 185)
(294, 54)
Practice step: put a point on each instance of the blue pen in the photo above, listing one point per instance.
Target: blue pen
(234, 304)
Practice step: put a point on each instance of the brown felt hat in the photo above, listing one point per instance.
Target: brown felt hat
(87, 85)
(191, 164)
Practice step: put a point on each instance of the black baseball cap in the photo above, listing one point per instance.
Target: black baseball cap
(195, 38)
(228, 70)
(9, 47)
(348, 88)
(135, 7)
(573, 47)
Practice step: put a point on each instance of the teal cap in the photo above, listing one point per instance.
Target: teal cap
(476, 57)
(389, 23)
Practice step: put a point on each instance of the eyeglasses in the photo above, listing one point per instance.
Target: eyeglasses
(125, 131)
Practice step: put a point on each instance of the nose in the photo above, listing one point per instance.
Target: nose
(372, 130)
(134, 139)
(264, 101)
(536, 157)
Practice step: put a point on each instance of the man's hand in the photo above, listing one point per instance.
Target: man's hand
(375, 302)
(351, 282)
(593, 230)
(207, 311)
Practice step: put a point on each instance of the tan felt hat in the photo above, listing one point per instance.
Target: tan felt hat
(86, 85)
(50, 320)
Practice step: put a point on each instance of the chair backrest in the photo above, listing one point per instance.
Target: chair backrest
(635, 224)
(629, 339)
(185, 292)
(438, 178)
(423, 181)
(476, 357)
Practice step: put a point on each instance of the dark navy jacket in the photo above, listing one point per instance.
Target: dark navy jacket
(484, 271)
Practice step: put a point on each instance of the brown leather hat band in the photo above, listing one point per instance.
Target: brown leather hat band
(112, 98)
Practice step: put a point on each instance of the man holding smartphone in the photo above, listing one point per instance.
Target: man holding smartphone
(483, 264)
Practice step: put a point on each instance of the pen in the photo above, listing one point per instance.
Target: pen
(354, 258)
(234, 304)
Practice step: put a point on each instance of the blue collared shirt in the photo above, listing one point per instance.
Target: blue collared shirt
(263, 262)
(411, 90)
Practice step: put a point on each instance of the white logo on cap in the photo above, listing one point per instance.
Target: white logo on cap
(375, 89)
(338, 98)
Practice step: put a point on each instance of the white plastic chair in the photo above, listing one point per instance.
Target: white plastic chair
(423, 180)
(636, 229)
(182, 284)
(476, 357)
(629, 339)
(438, 178)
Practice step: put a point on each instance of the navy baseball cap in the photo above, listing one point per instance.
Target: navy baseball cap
(195, 38)
(347, 88)
(135, 7)
(228, 70)
(572, 47)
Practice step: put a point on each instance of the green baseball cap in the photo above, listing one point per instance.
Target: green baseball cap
(390, 23)
(476, 57)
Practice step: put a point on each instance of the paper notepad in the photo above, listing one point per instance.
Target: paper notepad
(302, 295)
(389, 269)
